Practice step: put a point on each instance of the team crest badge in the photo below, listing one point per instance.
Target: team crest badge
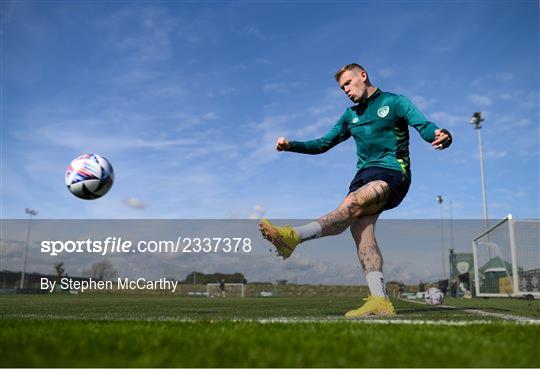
(355, 120)
(383, 111)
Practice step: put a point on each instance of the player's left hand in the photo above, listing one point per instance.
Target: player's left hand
(443, 139)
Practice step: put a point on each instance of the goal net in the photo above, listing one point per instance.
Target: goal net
(230, 290)
(507, 259)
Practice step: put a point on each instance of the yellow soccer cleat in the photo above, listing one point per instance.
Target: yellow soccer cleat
(374, 306)
(285, 238)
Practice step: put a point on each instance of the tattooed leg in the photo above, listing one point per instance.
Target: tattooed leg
(363, 231)
(367, 200)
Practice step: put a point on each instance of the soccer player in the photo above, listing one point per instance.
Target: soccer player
(378, 122)
(222, 288)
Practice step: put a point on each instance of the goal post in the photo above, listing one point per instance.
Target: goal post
(231, 290)
(507, 259)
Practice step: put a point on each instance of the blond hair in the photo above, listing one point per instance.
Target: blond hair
(348, 67)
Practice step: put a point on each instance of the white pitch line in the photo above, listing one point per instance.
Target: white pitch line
(376, 321)
(484, 313)
(286, 320)
(500, 315)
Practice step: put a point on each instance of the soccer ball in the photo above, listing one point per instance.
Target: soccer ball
(89, 176)
(434, 296)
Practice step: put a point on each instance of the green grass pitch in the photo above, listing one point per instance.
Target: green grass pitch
(165, 331)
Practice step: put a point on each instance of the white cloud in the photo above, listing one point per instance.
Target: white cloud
(137, 75)
(386, 72)
(262, 145)
(448, 119)
(480, 100)
(164, 90)
(257, 213)
(511, 192)
(320, 109)
(315, 128)
(257, 63)
(503, 123)
(279, 86)
(210, 116)
(191, 119)
(529, 153)
(77, 140)
(531, 101)
(134, 203)
(262, 61)
(495, 154)
(492, 78)
(12, 248)
(107, 138)
(254, 32)
(504, 76)
(149, 36)
(492, 154)
(226, 91)
(421, 101)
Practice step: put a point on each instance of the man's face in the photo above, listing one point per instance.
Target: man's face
(353, 83)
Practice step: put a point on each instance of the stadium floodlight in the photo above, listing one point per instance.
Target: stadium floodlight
(30, 212)
(440, 201)
(476, 120)
(451, 226)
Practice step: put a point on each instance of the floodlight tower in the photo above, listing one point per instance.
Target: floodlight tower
(30, 212)
(440, 201)
(476, 120)
(451, 227)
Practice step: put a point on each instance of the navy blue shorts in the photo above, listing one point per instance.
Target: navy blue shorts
(399, 183)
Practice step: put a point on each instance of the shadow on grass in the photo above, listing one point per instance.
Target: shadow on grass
(443, 311)
(421, 311)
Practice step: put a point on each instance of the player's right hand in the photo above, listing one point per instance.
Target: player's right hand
(282, 144)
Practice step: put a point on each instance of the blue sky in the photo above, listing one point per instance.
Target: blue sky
(186, 99)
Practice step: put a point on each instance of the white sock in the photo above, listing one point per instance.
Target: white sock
(375, 283)
(309, 231)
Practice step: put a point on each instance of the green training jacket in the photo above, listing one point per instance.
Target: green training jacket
(379, 126)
